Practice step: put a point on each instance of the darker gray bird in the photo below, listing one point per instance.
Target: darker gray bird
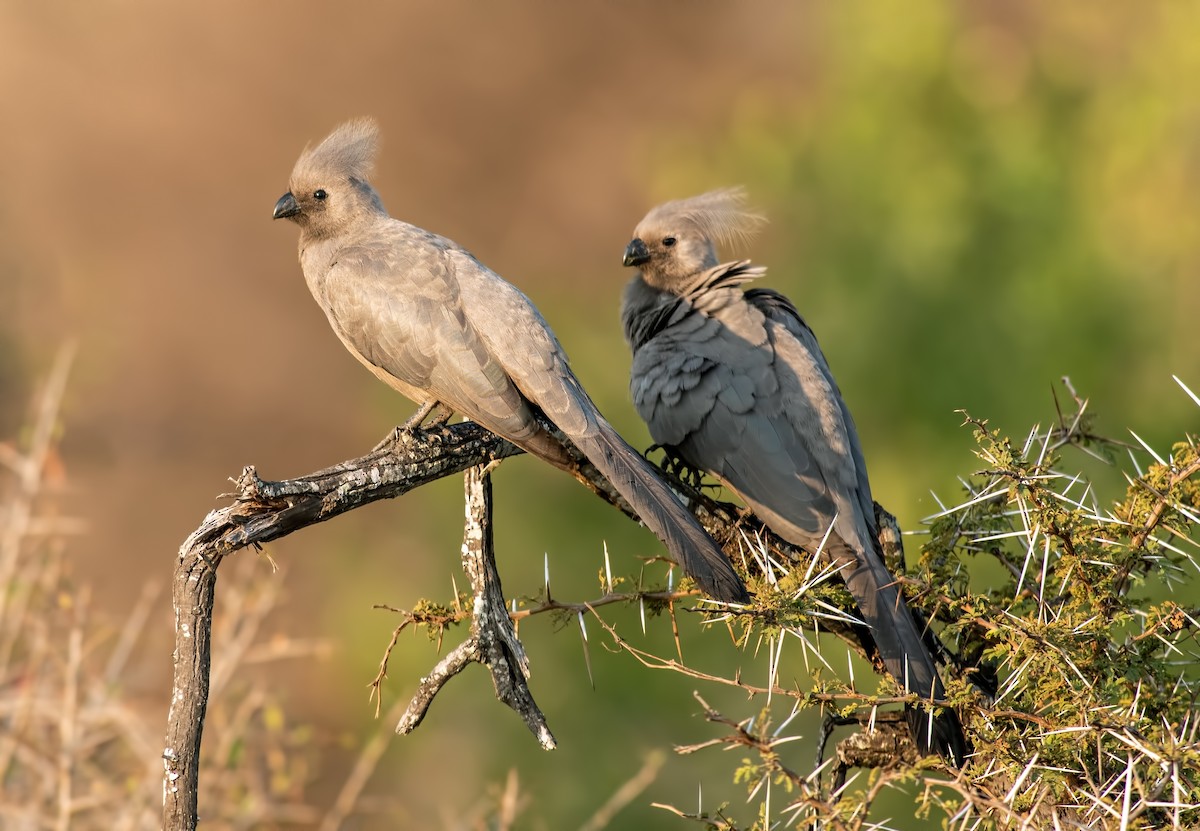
(735, 384)
(431, 321)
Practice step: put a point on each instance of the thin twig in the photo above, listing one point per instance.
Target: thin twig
(360, 773)
(69, 714)
(628, 792)
(20, 510)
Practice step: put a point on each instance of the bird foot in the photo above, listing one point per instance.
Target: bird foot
(430, 414)
(389, 441)
(675, 465)
(423, 412)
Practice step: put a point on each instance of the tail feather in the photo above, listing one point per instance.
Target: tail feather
(942, 735)
(902, 649)
(702, 559)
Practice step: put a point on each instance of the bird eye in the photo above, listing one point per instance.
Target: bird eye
(319, 194)
(668, 241)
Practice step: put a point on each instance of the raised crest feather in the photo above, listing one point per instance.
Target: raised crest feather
(349, 151)
(719, 215)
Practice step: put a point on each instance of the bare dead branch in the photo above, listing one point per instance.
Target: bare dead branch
(493, 640)
(263, 511)
(192, 593)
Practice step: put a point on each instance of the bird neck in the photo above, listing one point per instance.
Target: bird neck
(645, 311)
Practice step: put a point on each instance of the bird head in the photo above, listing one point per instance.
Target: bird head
(676, 240)
(328, 190)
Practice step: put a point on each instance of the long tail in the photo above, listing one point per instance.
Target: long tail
(702, 559)
(902, 649)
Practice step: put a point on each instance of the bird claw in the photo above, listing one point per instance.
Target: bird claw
(431, 414)
(651, 449)
(672, 463)
(441, 414)
(389, 441)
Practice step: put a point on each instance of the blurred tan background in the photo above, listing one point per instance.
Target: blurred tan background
(967, 202)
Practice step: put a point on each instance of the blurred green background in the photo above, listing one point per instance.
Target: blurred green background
(967, 201)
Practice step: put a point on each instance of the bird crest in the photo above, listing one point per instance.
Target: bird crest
(720, 216)
(349, 151)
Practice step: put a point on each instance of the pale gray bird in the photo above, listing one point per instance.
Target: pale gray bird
(734, 383)
(434, 323)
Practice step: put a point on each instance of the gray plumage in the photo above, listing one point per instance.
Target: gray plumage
(735, 383)
(431, 321)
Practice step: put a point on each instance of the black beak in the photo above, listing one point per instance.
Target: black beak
(636, 253)
(286, 207)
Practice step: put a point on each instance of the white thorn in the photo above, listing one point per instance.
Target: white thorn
(1193, 395)
(1149, 449)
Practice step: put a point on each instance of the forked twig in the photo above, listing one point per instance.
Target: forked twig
(493, 640)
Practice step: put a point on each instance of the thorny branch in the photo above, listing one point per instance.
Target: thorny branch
(1162, 502)
(805, 798)
(264, 510)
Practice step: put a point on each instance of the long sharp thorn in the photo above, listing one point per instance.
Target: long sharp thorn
(1149, 449)
(587, 655)
(1193, 395)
